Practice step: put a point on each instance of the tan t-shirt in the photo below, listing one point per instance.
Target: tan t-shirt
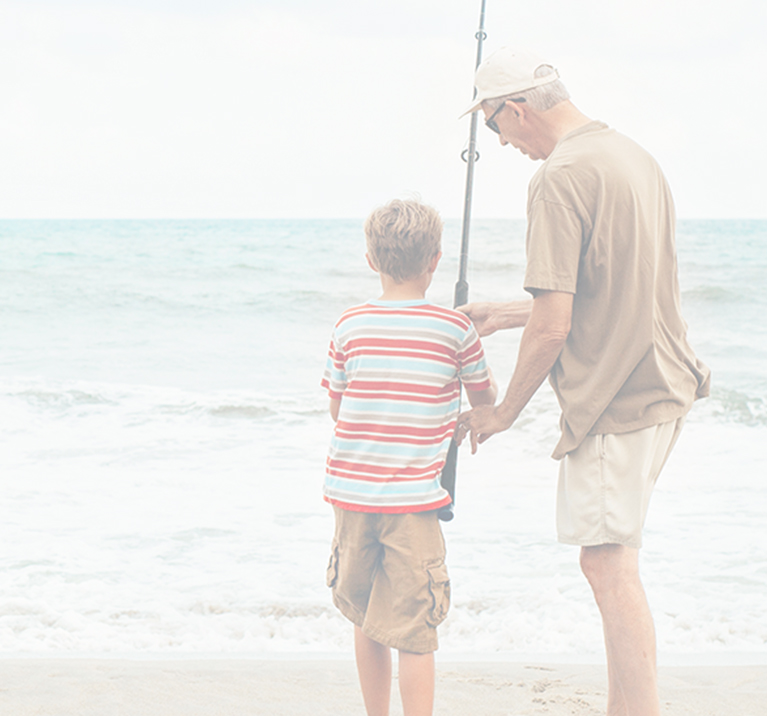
(601, 226)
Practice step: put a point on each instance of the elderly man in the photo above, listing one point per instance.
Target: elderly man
(605, 326)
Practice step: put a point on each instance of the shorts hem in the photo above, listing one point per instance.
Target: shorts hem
(401, 644)
(584, 542)
(351, 612)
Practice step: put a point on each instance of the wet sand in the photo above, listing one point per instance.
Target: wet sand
(318, 687)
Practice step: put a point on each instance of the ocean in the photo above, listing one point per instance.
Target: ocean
(163, 437)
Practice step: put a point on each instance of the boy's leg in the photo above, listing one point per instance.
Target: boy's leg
(374, 669)
(410, 596)
(355, 557)
(416, 683)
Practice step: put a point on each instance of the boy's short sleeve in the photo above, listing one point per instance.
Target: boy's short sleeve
(334, 378)
(473, 371)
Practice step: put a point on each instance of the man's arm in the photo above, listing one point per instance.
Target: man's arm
(489, 317)
(542, 342)
(335, 406)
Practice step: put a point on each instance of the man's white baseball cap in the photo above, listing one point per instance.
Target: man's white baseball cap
(508, 71)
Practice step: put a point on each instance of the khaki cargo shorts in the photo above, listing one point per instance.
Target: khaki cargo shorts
(388, 576)
(606, 483)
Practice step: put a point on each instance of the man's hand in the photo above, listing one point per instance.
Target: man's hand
(489, 317)
(480, 424)
(544, 337)
(482, 315)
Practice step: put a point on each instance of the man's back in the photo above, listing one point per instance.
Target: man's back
(601, 226)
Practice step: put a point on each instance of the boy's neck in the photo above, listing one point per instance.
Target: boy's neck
(412, 290)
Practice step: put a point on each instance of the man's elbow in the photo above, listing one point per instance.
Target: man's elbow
(556, 335)
(551, 318)
(549, 338)
(552, 330)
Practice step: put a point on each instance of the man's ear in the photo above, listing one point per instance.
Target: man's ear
(519, 109)
(434, 261)
(371, 264)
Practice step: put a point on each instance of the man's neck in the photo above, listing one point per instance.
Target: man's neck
(559, 121)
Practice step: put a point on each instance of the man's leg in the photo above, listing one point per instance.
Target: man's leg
(374, 669)
(616, 701)
(416, 683)
(613, 573)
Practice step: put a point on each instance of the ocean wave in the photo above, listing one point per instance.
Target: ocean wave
(528, 622)
(293, 303)
(713, 294)
(511, 269)
(62, 399)
(734, 406)
(145, 404)
(248, 412)
(260, 412)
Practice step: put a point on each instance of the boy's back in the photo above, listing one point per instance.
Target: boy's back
(398, 366)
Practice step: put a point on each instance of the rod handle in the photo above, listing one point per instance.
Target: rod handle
(447, 479)
(461, 294)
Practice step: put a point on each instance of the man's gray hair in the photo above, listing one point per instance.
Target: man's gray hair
(539, 98)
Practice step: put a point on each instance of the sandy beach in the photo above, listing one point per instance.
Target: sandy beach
(112, 687)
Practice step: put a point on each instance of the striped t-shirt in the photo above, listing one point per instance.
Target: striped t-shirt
(397, 366)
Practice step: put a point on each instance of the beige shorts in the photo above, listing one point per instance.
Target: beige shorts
(606, 483)
(389, 577)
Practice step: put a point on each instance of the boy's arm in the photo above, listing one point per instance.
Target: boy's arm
(486, 396)
(334, 378)
(335, 406)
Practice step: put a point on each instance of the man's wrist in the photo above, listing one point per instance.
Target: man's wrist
(506, 414)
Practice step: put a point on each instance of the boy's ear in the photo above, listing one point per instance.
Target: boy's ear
(434, 261)
(371, 264)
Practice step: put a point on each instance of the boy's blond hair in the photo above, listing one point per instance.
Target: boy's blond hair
(402, 238)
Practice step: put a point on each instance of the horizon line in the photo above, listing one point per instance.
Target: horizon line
(316, 218)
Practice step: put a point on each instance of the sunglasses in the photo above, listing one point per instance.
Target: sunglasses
(490, 122)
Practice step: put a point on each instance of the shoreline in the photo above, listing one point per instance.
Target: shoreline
(667, 660)
(289, 687)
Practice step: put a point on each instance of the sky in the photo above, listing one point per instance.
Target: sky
(306, 109)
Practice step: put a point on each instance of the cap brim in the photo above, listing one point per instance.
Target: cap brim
(475, 105)
(500, 91)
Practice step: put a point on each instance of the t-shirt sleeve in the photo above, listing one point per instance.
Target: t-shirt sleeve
(473, 372)
(334, 378)
(554, 240)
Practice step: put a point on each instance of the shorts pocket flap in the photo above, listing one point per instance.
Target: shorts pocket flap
(331, 576)
(439, 586)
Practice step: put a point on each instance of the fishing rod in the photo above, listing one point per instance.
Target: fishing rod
(461, 294)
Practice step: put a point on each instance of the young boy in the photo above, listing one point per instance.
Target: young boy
(393, 375)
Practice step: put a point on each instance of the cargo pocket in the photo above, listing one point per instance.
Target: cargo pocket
(331, 576)
(439, 586)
